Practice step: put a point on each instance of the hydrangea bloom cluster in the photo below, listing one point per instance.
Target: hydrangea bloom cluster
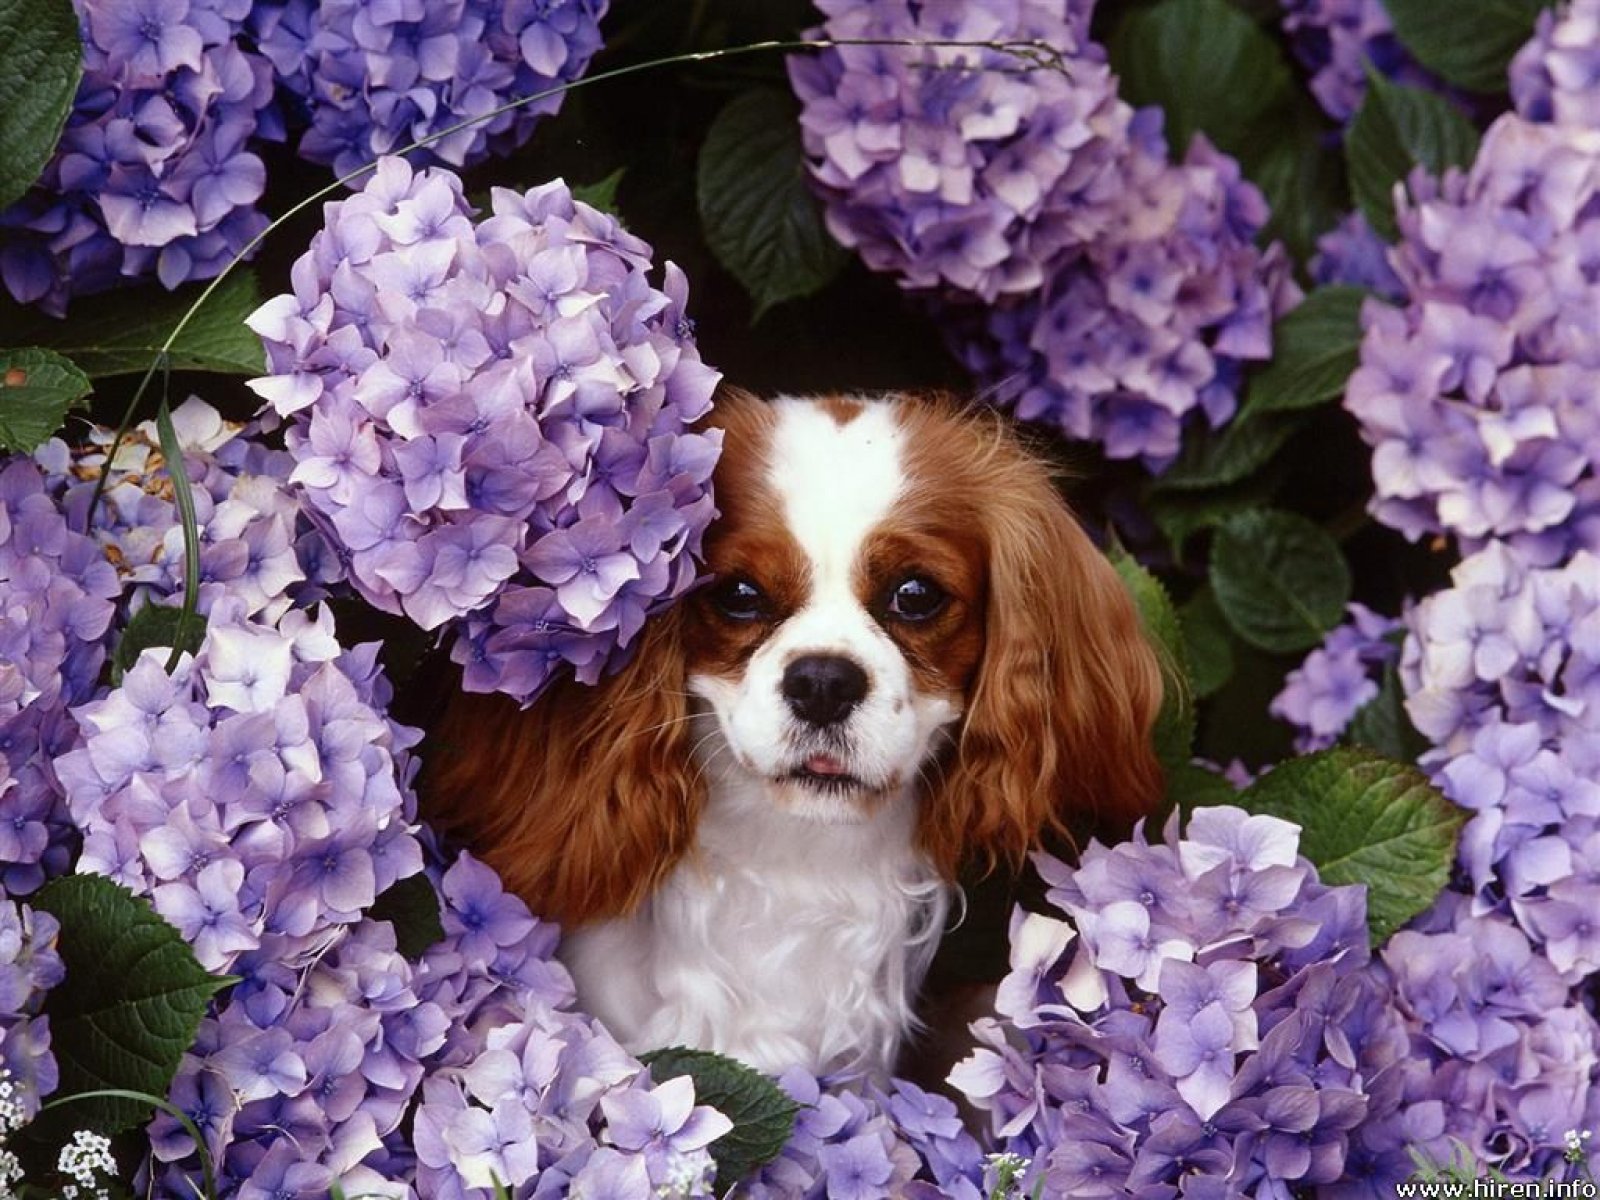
(1205, 1023)
(958, 166)
(1556, 76)
(57, 599)
(153, 175)
(492, 420)
(1475, 396)
(29, 967)
(256, 794)
(370, 79)
(1126, 290)
(255, 544)
(1151, 323)
(1336, 39)
(303, 1078)
(1323, 694)
(1499, 673)
(1502, 1057)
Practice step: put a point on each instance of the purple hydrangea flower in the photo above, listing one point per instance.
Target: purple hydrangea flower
(493, 420)
(370, 79)
(153, 175)
(1119, 293)
(1556, 76)
(1473, 395)
(29, 967)
(1206, 1013)
(1336, 39)
(1352, 254)
(1323, 694)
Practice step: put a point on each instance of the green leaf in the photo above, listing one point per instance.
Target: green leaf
(1191, 786)
(1469, 43)
(1182, 514)
(762, 1116)
(1211, 67)
(39, 75)
(1368, 820)
(122, 333)
(1314, 349)
(131, 1002)
(412, 907)
(37, 387)
(1383, 725)
(1397, 128)
(1216, 460)
(1174, 729)
(1208, 643)
(1279, 579)
(156, 626)
(1301, 179)
(602, 193)
(760, 218)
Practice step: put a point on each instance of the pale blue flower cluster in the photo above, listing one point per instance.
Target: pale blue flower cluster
(29, 967)
(493, 420)
(1322, 695)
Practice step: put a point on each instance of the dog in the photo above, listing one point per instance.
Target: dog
(909, 658)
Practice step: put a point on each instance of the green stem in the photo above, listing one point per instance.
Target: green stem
(189, 1127)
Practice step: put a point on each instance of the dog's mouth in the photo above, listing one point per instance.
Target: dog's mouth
(827, 773)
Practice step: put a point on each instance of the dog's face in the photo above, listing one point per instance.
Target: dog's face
(836, 645)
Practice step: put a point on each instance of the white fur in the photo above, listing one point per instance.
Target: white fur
(800, 929)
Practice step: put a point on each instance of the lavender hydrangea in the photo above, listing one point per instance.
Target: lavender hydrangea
(1503, 1060)
(1119, 292)
(1499, 673)
(368, 79)
(1474, 396)
(1336, 40)
(1352, 254)
(1322, 695)
(57, 599)
(1556, 76)
(1205, 1022)
(493, 420)
(29, 967)
(154, 174)
(961, 166)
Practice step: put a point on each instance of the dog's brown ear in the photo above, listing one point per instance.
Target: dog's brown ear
(584, 801)
(1057, 733)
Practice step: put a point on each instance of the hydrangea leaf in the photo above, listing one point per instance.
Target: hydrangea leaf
(1182, 513)
(131, 1002)
(1281, 581)
(1207, 642)
(37, 387)
(602, 193)
(1382, 724)
(159, 626)
(760, 218)
(1303, 184)
(1174, 729)
(39, 75)
(1369, 820)
(411, 907)
(1241, 449)
(1213, 69)
(762, 1116)
(1469, 43)
(1314, 349)
(121, 334)
(1191, 785)
(1397, 128)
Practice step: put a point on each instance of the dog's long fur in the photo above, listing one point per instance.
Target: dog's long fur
(705, 904)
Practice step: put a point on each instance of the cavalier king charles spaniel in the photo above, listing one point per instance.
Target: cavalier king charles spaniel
(909, 657)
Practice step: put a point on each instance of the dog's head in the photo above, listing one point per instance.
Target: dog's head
(899, 599)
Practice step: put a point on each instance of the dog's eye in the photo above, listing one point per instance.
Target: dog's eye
(916, 598)
(739, 600)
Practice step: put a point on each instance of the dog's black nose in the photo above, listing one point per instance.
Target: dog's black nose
(821, 689)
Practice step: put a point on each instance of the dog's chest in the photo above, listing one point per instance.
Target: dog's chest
(781, 942)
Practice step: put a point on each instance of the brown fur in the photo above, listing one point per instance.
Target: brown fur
(586, 801)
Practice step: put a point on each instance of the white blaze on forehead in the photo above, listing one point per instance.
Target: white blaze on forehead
(835, 481)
